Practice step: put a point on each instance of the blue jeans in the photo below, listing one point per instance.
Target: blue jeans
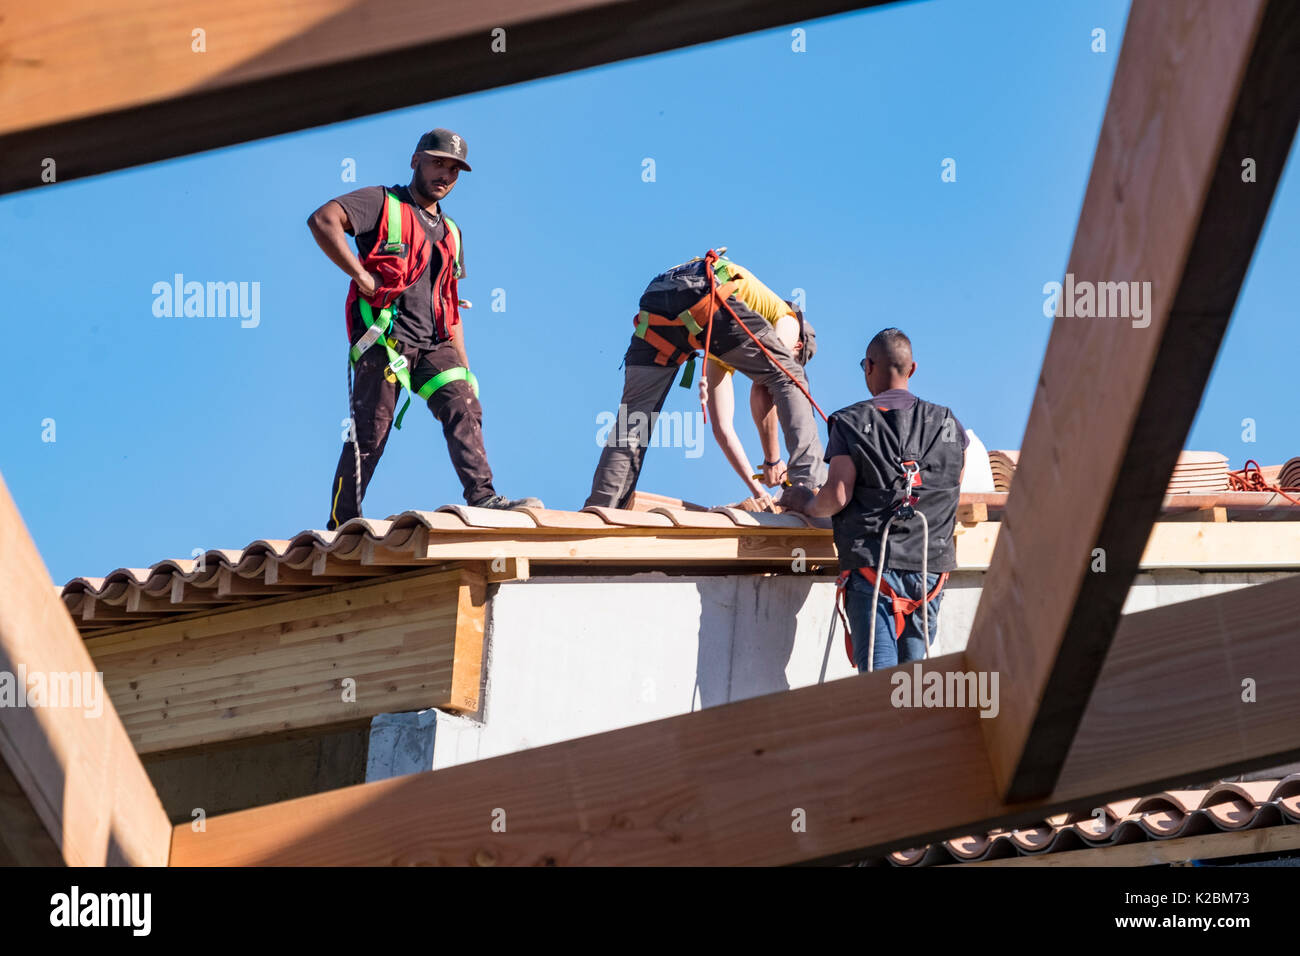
(890, 649)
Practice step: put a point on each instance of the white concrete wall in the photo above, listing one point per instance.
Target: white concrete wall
(568, 657)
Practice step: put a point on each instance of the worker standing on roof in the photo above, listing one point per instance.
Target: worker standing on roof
(896, 464)
(715, 305)
(403, 322)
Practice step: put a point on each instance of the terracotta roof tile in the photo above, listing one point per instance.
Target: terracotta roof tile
(1166, 815)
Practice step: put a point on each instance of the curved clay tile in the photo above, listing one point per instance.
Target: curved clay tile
(429, 520)
(682, 518)
(564, 520)
(1286, 796)
(489, 517)
(1033, 839)
(620, 517)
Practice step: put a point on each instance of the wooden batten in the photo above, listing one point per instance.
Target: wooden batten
(410, 642)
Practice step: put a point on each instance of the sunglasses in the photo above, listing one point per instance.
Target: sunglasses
(863, 364)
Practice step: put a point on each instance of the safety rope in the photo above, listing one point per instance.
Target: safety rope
(356, 444)
(1251, 478)
(905, 509)
(709, 259)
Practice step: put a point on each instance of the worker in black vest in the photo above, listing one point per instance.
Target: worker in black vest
(896, 464)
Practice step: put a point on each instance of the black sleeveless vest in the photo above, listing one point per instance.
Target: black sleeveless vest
(878, 443)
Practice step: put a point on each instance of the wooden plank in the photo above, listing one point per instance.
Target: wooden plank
(1207, 846)
(1199, 85)
(721, 786)
(128, 79)
(500, 570)
(471, 618)
(70, 767)
(280, 665)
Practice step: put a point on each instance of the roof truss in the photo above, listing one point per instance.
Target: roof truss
(1200, 87)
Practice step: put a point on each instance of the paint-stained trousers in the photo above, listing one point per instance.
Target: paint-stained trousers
(645, 387)
(374, 403)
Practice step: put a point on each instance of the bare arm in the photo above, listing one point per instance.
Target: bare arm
(763, 409)
(458, 342)
(329, 226)
(722, 407)
(837, 491)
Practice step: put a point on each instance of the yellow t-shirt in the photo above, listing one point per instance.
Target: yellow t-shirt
(756, 296)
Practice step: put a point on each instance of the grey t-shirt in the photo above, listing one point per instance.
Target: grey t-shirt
(413, 323)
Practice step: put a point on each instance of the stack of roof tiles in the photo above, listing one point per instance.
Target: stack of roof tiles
(1288, 475)
(1199, 473)
(1195, 473)
(1003, 464)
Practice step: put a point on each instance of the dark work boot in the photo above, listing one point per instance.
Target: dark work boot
(502, 503)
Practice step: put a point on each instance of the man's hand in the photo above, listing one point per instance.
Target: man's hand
(774, 475)
(797, 498)
(367, 283)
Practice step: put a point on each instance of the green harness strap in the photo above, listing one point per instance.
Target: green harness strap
(397, 363)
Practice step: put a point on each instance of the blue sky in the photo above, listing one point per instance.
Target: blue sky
(819, 170)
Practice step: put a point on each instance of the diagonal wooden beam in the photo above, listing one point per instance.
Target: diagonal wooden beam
(1200, 88)
(97, 88)
(72, 788)
(729, 785)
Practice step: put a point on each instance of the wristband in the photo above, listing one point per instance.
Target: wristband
(771, 464)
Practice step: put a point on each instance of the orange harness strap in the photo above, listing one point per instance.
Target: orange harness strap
(700, 312)
(901, 606)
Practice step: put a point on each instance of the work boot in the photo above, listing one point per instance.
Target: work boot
(502, 503)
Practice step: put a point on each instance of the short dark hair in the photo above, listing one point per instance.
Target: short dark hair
(893, 348)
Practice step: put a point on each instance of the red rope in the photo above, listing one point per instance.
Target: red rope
(1250, 478)
(713, 284)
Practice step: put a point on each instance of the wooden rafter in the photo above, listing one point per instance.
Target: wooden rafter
(97, 87)
(1200, 88)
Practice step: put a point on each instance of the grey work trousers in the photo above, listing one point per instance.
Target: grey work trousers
(645, 387)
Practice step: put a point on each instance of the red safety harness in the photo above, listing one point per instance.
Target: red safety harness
(900, 606)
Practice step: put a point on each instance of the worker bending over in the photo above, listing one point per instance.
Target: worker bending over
(682, 312)
(797, 334)
(896, 464)
(403, 322)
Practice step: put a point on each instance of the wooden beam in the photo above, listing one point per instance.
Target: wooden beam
(130, 80)
(1207, 846)
(724, 786)
(1200, 87)
(1217, 673)
(70, 767)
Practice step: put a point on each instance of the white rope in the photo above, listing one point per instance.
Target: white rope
(925, 586)
(356, 448)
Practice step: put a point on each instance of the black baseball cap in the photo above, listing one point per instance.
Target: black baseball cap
(445, 143)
